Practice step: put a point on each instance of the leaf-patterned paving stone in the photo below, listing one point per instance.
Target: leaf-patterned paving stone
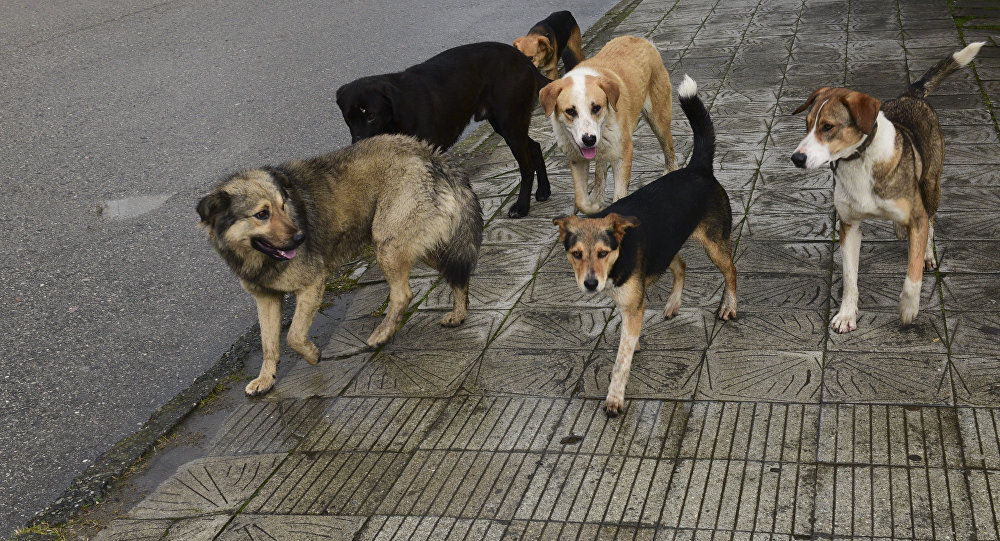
(659, 374)
(527, 230)
(419, 373)
(422, 330)
(902, 378)
(208, 486)
(558, 289)
(371, 424)
(882, 331)
(974, 332)
(687, 330)
(374, 274)
(972, 292)
(881, 292)
(976, 378)
(486, 291)
(291, 527)
(966, 256)
(789, 228)
(972, 225)
(969, 198)
(520, 259)
(374, 299)
(969, 175)
(793, 179)
(701, 288)
(786, 330)
(766, 291)
(556, 328)
(979, 154)
(140, 530)
(536, 372)
(770, 201)
(326, 379)
(788, 376)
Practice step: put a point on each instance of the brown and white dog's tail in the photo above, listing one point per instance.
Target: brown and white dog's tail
(943, 69)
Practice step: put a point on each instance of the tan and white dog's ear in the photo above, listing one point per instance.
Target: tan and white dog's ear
(563, 223)
(548, 94)
(620, 223)
(812, 98)
(864, 110)
(611, 90)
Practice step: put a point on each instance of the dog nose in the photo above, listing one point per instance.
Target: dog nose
(589, 139)
(298, 237)
(799, 159)
(590, 284)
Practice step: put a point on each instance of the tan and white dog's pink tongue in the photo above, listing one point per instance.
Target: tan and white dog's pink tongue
(588, 153)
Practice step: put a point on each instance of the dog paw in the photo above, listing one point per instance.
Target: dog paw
(308, 350)
(845, 322)
(613, 406)
(672, 308)
(908, 309)
(728, 311)
(930, 263)
(380, 336)
(452, 319)
(543, 195)
(260, 386)
(517, 211)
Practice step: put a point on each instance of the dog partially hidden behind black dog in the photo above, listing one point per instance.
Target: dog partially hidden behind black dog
(436, 99)
(626, 247)
(285, 229)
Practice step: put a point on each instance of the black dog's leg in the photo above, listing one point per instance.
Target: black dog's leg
(538, 163)
(516, 137)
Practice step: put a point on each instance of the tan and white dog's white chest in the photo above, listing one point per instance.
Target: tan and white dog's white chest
(854, 191)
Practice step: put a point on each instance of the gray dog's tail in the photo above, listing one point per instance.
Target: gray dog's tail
(941, 70)
(457, 258)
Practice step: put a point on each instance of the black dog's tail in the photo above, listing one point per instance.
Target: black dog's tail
(943, 69)
(701, 125)
(540, 80)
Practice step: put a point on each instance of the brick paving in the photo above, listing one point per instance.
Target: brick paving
(769, 427)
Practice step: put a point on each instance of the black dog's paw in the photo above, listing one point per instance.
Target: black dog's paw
(542, 195)
(517, 211)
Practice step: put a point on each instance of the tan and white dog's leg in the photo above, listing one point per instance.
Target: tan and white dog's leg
(600, 176)
(622, 169)
(673, 306)
(583, 203)
(269, 317)
(930, 262)
(630, 301)
(395, 265)
(307, 303)
(909, 299)
(846, 319)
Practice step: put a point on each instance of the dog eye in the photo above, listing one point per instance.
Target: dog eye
(827, 126)
(370, 117)
(602, 254)
(571, 112)
(577, 254)
(595, 109)
(263, 215)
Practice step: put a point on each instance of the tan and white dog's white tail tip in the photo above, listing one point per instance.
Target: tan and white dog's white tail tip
(966, 55)
(688, 87)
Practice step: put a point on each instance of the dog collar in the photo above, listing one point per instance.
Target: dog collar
(858, 151)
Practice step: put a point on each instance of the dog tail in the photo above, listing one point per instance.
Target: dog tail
(701, 125)
(457, 257)
(943, 69)
(540, 80)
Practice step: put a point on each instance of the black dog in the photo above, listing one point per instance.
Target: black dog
(436, 99)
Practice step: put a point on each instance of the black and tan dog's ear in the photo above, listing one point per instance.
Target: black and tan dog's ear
(212, 204)
(620, 223)
(812, 98)
(611, 90)
(544, 46)
(548, 94)
(563, 223)
(864, 110)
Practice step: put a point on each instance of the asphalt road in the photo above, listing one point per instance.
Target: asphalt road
(108, 314)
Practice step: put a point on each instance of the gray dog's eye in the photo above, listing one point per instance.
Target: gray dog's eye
(263, 215)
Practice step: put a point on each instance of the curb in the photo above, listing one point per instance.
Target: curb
(91, 486)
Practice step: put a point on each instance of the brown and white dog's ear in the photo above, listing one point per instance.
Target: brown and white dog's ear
(620, 223)
(548, 94)
(864, 110)
(611, 90)
(812, 98)
(563, 224)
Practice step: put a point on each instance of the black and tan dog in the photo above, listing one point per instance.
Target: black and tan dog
(627, 246)
(285, 229)
(887, 160)
(435, 101)
(557, 36)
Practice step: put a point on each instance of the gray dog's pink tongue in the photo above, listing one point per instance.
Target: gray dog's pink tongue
(288, 254)
(588, 153)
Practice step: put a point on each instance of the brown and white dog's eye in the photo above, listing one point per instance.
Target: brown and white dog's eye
(571, 112)
(602, 254)
(827, 127)
(576, 254)
(263, 215)
(595, 109)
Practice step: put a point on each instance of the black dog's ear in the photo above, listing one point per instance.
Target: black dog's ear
(212, 204)
(391, 93)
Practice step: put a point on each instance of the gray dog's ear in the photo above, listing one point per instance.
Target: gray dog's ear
(212, 204)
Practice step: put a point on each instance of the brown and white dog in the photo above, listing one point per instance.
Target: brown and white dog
(594, 110)
(886, 159)
(557, 36)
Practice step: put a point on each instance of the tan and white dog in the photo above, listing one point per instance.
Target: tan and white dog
(887, 160)
(594, 110)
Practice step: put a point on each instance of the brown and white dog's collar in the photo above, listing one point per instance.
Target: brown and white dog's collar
(858, 151)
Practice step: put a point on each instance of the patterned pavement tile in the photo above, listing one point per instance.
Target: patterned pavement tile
(655, 373)
(786, 330)
(291, 527)
(908, 377)
(413, 372)
(791, 376)
(535, 372)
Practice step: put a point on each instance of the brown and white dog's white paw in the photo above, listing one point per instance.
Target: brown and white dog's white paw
(614, 405)
(453, 319)
(845, 321)
(909, 301)
(728, 310)
(261, 385)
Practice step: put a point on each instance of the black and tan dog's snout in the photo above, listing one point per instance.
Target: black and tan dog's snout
(590, 282)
